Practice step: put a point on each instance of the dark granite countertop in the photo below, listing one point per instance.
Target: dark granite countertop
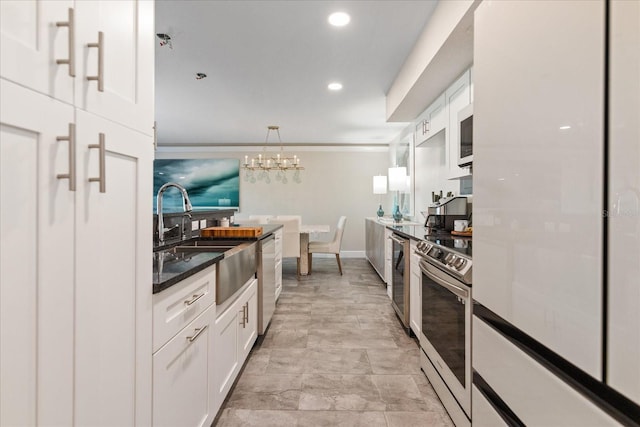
(414, 232)
(170, 268)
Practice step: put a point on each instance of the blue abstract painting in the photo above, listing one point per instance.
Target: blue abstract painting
(211, 183)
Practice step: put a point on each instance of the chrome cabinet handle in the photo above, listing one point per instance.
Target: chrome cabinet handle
(100, 76)
(71, 176)
(72, 36)
(244, 319)
(197, 331)
(101, 178)
(155, 135)
(194, 299)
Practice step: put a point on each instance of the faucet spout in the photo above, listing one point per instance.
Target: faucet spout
(186, 206)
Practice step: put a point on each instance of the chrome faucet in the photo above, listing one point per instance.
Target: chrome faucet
(186, 205)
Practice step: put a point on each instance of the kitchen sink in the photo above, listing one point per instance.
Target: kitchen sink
(238, 266)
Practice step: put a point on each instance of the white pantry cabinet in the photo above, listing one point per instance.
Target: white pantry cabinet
(113, 286)
(32, 43)
(36, 260)
(76, 233)
(115, 48)
(432, 121)
(183, 387)
(236, 331)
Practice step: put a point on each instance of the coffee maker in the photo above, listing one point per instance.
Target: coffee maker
(442, 213)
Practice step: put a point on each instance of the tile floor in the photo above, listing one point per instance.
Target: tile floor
(335, 354)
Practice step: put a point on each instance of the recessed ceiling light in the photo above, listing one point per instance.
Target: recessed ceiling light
(335, 86)
(339, 19)
(565, 127)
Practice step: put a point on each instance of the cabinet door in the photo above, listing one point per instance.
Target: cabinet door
(31, 43)
(113, 284)
(226, 354)
(127, 58)
(387, 260)
(36, 260)
(458, 95)
(181, 384)
(249, 327)
(432, 121)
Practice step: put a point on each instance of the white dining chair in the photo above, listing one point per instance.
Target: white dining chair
(332, 247)
(261, 219)
(290, 236)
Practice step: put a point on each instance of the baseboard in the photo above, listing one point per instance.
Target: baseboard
(343, 254)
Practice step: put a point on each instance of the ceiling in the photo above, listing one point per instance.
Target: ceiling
(269, 63)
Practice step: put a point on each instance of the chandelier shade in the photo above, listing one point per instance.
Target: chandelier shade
(260, 166)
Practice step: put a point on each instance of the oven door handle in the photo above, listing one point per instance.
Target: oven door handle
(462, 293)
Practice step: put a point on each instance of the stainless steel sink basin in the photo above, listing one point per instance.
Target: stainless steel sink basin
(238, 266)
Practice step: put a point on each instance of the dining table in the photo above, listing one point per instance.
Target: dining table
(305, 231)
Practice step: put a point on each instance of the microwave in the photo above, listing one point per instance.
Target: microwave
(465, 136)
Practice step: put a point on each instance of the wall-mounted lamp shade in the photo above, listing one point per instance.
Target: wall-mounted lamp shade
(398, 179)
(380, 184)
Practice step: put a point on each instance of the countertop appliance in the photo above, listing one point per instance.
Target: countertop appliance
(266, 282)
(442, 214)
(445, 338)
(400, 264)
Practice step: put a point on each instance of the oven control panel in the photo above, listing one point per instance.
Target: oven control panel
(452, 262)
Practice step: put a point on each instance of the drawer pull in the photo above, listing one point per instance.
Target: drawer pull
(71, 176)
(194, 299)
(198, 331)
(101, 178)
(70, 23)
(100, 77)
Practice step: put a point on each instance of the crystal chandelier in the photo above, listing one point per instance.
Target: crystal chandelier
(260, 167)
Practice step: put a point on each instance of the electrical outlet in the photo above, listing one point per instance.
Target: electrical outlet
(194, 225)
(203, 223)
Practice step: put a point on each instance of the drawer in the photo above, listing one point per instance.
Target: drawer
(183, 387)
(175, 307)
(534, 394)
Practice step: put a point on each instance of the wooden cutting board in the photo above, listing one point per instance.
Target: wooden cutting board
(462, 233)
(231, 232)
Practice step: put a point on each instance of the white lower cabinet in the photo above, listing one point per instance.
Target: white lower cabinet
(482, 412)
(533, 393)
(184, 394)
(415, 292)
(236, 330)
(184, 341)
(388, 255)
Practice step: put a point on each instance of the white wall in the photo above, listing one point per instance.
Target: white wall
(336, 181)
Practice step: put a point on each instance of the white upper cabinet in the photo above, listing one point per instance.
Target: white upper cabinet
(538, 171)
(432, 121)
(34, 36)
(115, 54)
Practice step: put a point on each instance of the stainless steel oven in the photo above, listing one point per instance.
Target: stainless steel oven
(400, 263)
(445, 336)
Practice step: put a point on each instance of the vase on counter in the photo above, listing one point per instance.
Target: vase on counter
(397, 215)
(380, 212)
